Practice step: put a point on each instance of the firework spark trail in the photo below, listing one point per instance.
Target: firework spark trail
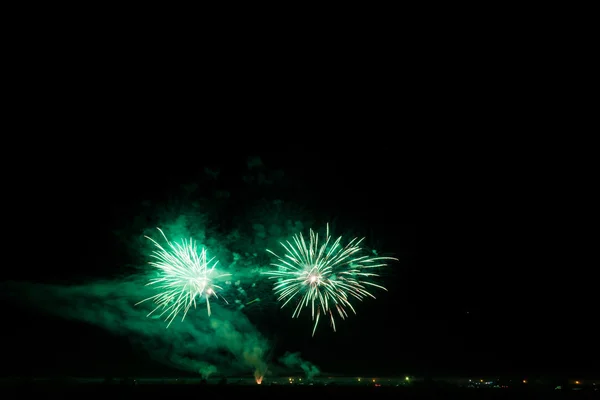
(185, 275)
(325, 277)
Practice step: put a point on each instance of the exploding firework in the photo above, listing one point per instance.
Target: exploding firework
(184, 276)
(324, 277)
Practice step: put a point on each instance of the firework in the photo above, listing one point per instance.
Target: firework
(325, 277)
(184, 276)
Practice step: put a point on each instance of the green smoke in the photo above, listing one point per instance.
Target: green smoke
(295, 361)
(226, 341)
(237, 236)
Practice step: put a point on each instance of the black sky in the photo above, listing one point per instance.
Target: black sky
(478, 289)
(450, 151)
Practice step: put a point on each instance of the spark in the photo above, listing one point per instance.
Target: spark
(184, 276)
(324, 277)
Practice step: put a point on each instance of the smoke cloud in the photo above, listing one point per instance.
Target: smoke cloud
(294, 361)
(226, 342)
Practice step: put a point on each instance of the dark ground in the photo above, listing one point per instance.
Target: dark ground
(297, 392)
(421, 390)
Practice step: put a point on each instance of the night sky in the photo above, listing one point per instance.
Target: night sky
(481, 287)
